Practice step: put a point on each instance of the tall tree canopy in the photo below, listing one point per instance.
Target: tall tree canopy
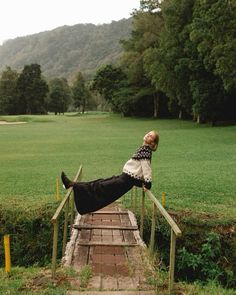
(193, 61)
(9, 103)
(32, 90)
(59, 95)
(107, 82)
(145, 98)
(80, 92)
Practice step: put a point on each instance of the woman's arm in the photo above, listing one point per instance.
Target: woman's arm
(147, 173)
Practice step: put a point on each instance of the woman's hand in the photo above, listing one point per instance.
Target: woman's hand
(144, 188)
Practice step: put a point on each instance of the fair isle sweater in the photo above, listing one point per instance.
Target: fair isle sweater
(139, 166)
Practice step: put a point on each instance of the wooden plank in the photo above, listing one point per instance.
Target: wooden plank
(91, 243)
(109, 212)
(111, 227)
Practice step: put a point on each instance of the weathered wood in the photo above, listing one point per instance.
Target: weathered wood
(66, 198)
(172, 261)
(54, 220)
(70, 247)
(65, 228)
(153, 227)
(54, 249)
(97, 226)
(72, 212)
(142, 214)
(110, 212)
(166, 215)
(136, 233)
(97, 243)
(136, 292)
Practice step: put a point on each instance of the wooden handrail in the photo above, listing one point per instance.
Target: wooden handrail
(67, 196)
(175, 231)
(163, 211)
(64, 203)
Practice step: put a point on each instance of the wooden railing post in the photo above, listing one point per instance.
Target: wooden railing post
(65, 227)
(142, 214)
(153, 227)
(6, 239)
(172, 261)
(55, 220)
(175, 231)
(54, 248)
(72, 212)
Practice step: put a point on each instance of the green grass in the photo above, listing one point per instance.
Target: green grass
(194, 164)
(34, 281)
(38, 281)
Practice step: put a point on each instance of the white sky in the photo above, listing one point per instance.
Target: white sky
(25, 17)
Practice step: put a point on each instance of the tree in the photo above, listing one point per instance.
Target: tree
(59, 95)
(32, 90)
(9, 103)
(194, 64)
(147, 25)
(80, 92)
(213, 34)
(107, 82)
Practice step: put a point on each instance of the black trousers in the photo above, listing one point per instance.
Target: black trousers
(94, 195)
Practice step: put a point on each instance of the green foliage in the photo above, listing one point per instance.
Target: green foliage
(85, 275)
(59, 95)
(8, 92)
(30, 232)
(32, 90)
(204, 265)
(213, 34)
(81, 94)
(144, 99)
(107, 81)
(33, 281)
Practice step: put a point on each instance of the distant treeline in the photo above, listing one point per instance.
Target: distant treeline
(179, 61)
(28, 93)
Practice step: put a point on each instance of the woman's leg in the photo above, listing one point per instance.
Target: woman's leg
(94, 195)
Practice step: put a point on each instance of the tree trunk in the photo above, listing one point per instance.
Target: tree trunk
(198, 119)
(180, 114)
(156, 105)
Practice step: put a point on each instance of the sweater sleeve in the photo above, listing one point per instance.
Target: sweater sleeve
(147, 173)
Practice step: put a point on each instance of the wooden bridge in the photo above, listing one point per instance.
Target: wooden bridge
(109, 245)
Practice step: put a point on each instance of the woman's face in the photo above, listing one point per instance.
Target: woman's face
(149, 137)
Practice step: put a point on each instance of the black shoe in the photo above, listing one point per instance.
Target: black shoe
(66, 181)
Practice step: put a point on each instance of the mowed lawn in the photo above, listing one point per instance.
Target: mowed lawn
(195, 164)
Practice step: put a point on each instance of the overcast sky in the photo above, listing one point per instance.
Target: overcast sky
(25, 17)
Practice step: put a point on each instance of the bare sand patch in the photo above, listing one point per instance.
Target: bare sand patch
(10, 123)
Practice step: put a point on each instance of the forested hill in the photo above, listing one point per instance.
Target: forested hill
(66, 50)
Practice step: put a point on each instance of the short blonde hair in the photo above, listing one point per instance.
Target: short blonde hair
(155, 143)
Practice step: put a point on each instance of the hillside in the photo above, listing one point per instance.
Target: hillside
(68, 49)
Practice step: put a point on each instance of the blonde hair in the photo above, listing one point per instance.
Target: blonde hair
(155, 143)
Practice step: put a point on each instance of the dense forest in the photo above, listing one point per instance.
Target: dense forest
(173, 58)
(66, 50)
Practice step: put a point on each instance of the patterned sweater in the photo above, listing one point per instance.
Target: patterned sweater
(139, 166)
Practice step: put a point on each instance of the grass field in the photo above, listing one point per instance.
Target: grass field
(194, 164)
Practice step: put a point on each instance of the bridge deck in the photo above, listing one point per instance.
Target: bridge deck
(108, 240)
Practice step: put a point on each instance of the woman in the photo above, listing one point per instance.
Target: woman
(94, 195)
